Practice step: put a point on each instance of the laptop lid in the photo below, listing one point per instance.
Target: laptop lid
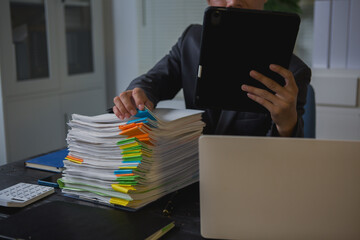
(279, 188)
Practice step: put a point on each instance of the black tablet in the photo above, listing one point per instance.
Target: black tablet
(234, 42)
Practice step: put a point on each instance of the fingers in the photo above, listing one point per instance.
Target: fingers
(290, 90)
(285, 92)
(269, 97)
(282, 104)
(117, 112)
(262, 101)
(127, 102)
(141, 99)
(120, 102)
(285, 73)
(272, 85)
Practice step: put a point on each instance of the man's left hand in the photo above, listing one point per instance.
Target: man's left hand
(281, 104)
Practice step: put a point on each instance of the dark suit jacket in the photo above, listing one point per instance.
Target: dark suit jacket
(178, 69)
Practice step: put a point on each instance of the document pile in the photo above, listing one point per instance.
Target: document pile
(132, 162)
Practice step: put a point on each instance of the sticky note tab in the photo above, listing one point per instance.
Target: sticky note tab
(119, 201)
(122, 188)
(74, 159)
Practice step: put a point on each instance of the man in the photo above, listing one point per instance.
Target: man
(178, 70)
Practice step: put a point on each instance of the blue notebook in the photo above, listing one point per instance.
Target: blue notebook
(52, 162)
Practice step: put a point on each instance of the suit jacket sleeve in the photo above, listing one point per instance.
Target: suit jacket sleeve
(163, 81)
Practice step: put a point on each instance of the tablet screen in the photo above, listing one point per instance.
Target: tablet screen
(234, 42)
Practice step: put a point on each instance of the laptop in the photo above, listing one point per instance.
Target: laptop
(279, 188)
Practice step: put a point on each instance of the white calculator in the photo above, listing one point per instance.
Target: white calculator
(22, 194)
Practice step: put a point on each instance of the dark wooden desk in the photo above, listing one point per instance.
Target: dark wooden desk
(185, 213)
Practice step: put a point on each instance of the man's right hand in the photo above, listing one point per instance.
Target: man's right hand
(127, 102)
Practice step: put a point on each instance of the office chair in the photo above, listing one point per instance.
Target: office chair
(310, 114)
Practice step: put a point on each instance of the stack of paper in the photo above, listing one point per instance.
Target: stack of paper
(134, 162)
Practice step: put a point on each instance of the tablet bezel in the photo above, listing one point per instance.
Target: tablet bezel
(226, 54)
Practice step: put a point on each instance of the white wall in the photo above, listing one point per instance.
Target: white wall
(304, 42)
(109, 51)
(162, 23)
(121, 45)
(2, 129)
(126, 62)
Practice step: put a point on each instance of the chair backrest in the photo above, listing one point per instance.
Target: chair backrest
(310, 114)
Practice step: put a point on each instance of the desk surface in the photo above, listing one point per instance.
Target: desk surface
(186, 211)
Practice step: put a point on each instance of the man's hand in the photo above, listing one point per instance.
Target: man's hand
(127, 102)
(282, 104)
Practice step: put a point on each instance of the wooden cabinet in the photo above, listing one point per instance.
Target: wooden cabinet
(51, 65)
